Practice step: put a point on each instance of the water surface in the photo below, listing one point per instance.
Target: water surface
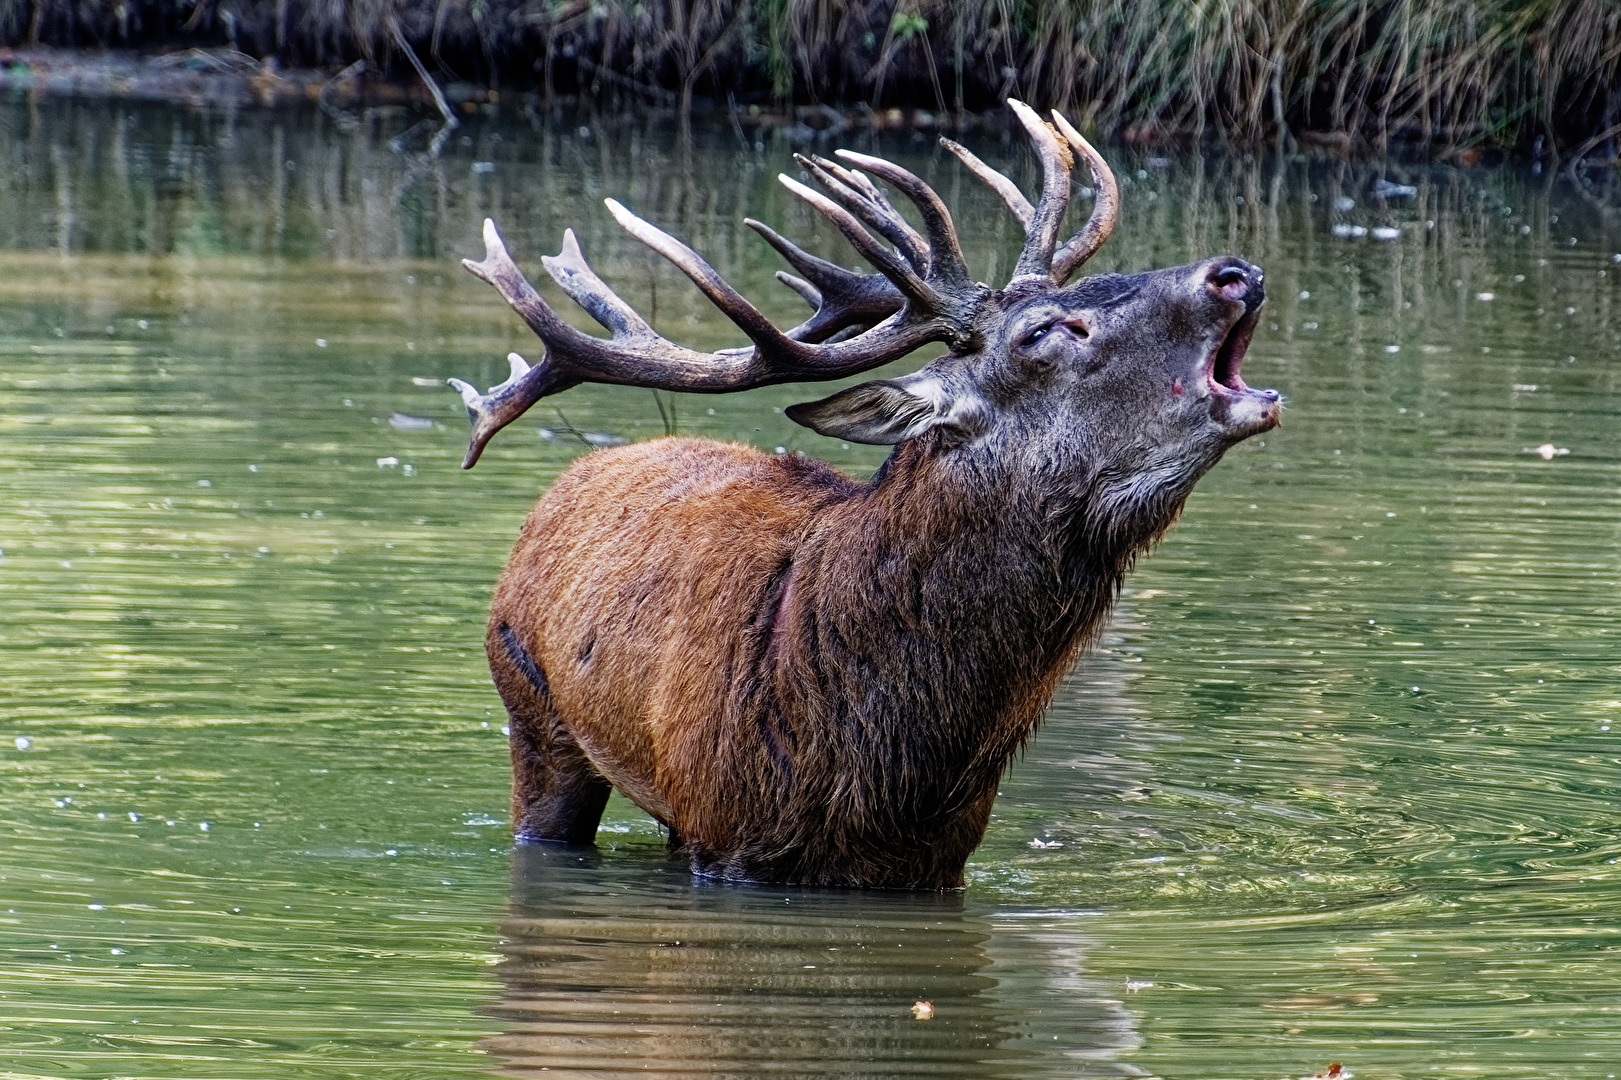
(1340, 784)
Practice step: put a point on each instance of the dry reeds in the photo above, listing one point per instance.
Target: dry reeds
(1444, 73)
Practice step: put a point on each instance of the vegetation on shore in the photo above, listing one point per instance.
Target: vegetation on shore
(1444, 74)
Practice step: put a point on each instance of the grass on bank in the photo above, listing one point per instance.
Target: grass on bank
(1442, 73)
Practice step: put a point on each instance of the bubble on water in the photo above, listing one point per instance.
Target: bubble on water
(22, 742)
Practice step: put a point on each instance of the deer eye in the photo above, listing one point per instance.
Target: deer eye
(1036, 335)
(1073, 326)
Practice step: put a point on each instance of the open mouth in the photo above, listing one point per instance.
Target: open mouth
(1225, 362)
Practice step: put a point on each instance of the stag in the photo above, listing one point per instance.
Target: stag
(812, 679)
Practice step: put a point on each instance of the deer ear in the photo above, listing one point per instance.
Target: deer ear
(892, 410)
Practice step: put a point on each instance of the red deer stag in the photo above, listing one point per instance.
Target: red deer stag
(811, 679)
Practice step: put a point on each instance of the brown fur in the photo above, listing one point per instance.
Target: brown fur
(804, 678)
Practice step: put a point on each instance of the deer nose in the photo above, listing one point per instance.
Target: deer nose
(1235, 279)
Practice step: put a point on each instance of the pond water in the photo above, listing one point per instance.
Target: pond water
(1340, 785)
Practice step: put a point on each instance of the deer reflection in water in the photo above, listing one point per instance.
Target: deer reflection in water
(630, 966)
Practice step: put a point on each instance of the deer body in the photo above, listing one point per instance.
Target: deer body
(812, 679)
(804, 678)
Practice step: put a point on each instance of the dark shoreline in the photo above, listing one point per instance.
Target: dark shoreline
(227, 79)
(1364, 78)
(224, 78)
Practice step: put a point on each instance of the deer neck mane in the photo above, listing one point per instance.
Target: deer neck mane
(945, 602)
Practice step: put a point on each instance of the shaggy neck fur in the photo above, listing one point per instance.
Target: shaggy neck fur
(908, 651)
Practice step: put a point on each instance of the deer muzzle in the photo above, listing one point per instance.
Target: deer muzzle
(1243, 410)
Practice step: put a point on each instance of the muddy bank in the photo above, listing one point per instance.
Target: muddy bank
(198, 77)
(226, 78)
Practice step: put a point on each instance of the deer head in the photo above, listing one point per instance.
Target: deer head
(1126, 387)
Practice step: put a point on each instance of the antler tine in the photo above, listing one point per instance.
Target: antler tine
(574, 276)
(861, 197)
(947, 267)
(812, 266)
(731, 302)
(863, 184)
(1041, 236)
(1007, 189)
(507, 401)
(841, 299)
(805, 290)
(886, 261)
(1105, 210)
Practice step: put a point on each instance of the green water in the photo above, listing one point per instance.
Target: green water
(1339, 785)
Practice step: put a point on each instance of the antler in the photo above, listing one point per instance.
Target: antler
(921, 293)
(1041, 222)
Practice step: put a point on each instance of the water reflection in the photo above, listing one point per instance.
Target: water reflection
(624, 965)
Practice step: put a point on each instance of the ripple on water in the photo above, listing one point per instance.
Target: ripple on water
(1339, 784)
